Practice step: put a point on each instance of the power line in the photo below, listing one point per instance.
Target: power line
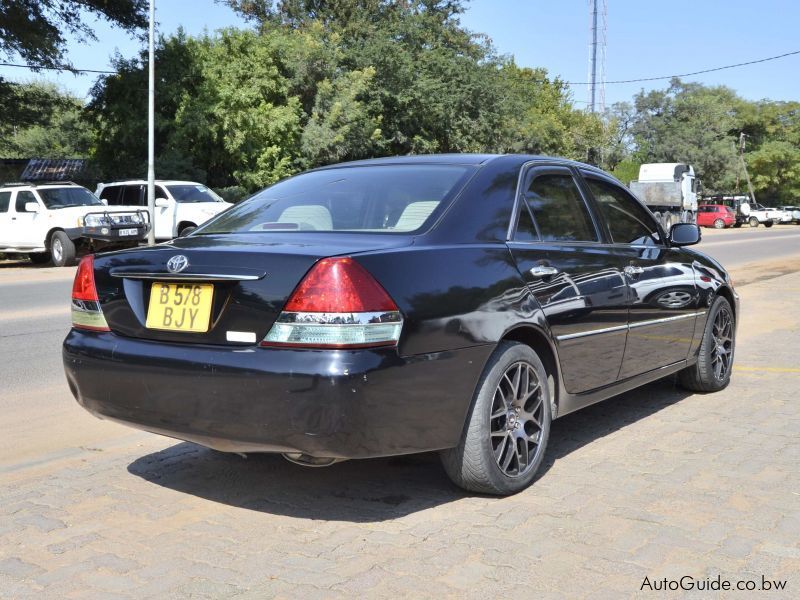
(641, 79)
(70, 69)
(751, 62)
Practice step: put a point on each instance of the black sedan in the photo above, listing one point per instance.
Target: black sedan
(456, 303)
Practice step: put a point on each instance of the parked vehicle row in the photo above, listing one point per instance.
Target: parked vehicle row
(452, 303)
(60, 221)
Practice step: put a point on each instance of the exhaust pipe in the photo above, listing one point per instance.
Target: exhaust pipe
(304, 460)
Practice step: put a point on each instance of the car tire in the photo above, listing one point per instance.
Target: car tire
(509, 418)
(719, 224)
(62, 250)
(39, 258)
(712, 371)
(768, 224)
(186, 229)
(753, 222)
(737, 225)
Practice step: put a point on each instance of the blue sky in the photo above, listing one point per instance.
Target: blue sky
(645, 39)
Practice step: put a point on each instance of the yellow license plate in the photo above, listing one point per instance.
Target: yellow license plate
(180, 306)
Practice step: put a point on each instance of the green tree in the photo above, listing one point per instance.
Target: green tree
(34, 31)
(57, 131)
(775, 172)
(692, 123)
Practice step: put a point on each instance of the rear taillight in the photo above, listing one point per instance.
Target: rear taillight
(337, 305)
(86, 311)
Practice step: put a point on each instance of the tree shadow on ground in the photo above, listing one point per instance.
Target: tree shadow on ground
(369, 490)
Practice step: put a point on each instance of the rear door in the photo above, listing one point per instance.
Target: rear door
(580, 286)
(663, 295)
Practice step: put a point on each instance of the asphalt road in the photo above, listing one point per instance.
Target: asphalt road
(38, 416)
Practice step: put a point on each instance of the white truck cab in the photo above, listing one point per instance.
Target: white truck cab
(60, 220)
(669, 190)
(180, 205)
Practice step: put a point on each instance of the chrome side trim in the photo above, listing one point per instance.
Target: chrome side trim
(572, 336)
(186, 276)
(665, 320)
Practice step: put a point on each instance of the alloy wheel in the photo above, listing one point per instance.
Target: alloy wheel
(516, 419)
(722, 337)
(58, 250)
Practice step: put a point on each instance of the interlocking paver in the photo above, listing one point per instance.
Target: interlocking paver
(657, 483)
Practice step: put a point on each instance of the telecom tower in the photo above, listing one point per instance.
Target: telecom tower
(598, 24)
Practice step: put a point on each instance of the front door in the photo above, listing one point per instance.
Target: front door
(663, 295)
(5, 219)
(579, 285)
(28, 229)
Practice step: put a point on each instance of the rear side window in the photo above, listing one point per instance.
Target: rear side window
(132, 195)
(23, 197)
(376, 199)
(5, 198)
(558, 209)
(628, 221)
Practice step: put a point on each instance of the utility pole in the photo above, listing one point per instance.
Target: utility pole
(151, 132)
(742, 137)
(598, 35)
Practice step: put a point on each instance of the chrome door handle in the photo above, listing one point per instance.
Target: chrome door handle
(543, 271)
(632, 270)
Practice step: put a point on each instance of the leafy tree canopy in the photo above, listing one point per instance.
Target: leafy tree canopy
(36, 30)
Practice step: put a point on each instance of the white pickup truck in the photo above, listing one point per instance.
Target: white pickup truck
(756, 214)
(59, 221)
(181, 206)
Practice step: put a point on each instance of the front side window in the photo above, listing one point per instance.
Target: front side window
(558, 209)
(110, 194)
(5, 198)
(66, 197)
(628, 221)
(374, 199)
(23, 198)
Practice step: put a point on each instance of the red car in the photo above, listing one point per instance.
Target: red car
(717, 216)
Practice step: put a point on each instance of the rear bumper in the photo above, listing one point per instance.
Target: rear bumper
(339, 404)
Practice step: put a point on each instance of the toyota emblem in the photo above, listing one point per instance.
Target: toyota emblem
(177, 263)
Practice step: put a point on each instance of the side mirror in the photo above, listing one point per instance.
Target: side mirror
(162, 203)
(684, 234)
(32, 207)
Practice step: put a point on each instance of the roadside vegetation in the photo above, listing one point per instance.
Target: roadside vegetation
(312, 82)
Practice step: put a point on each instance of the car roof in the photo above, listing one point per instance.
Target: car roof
(33, 184)
(459, 159)
(144, 182)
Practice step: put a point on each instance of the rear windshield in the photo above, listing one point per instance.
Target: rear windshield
(397, 198)
(54, 198)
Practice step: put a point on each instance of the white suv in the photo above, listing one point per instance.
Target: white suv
(58, 221)
(180, 205)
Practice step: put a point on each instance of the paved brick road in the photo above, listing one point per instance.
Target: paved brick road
(655, 483)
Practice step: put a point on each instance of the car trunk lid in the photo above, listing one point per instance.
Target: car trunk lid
(237, 284)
